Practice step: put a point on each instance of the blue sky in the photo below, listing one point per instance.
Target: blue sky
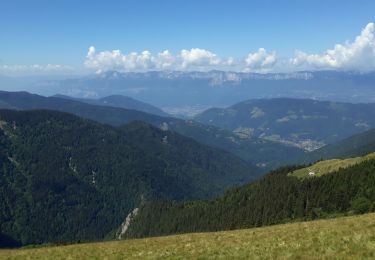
(61, 32)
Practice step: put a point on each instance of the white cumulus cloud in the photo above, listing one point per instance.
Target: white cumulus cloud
(165, 60)
(198, 57)
(115, 60)
(358, 55)
(260, 61)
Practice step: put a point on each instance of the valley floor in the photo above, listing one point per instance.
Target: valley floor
(342, 238)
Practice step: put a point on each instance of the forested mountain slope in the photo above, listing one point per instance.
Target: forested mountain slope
(278, 197)
(63, 178)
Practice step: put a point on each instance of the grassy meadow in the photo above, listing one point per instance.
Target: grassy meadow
(341, 238)
(328, 166)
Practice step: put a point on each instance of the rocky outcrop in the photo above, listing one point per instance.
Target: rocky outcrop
(125, 225)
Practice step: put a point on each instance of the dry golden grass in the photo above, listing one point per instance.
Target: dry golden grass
(341, 238)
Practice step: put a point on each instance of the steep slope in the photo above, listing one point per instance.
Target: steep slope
(303, 122)
(356, 145)
(121, 102)
(267, 154)
(63, 178)
(276, 198)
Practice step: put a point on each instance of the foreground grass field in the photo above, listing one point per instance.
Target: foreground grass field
(341, 238)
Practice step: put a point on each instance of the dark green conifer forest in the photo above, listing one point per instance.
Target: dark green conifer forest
(275, 198)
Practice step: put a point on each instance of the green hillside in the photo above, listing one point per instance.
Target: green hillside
(275, 198)
(329, 166)
(81, 179)
(340, 238)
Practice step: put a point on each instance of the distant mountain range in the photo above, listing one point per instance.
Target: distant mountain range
(267, 132)
(266, 154)
(305, 123)
(64, 178)
(177, 91)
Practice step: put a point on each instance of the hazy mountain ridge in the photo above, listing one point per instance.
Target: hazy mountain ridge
(176, 89)
(122, 102)
(305, 123)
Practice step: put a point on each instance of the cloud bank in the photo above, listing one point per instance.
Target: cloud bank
(193, 59)
(358, 55)
(198, 59)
